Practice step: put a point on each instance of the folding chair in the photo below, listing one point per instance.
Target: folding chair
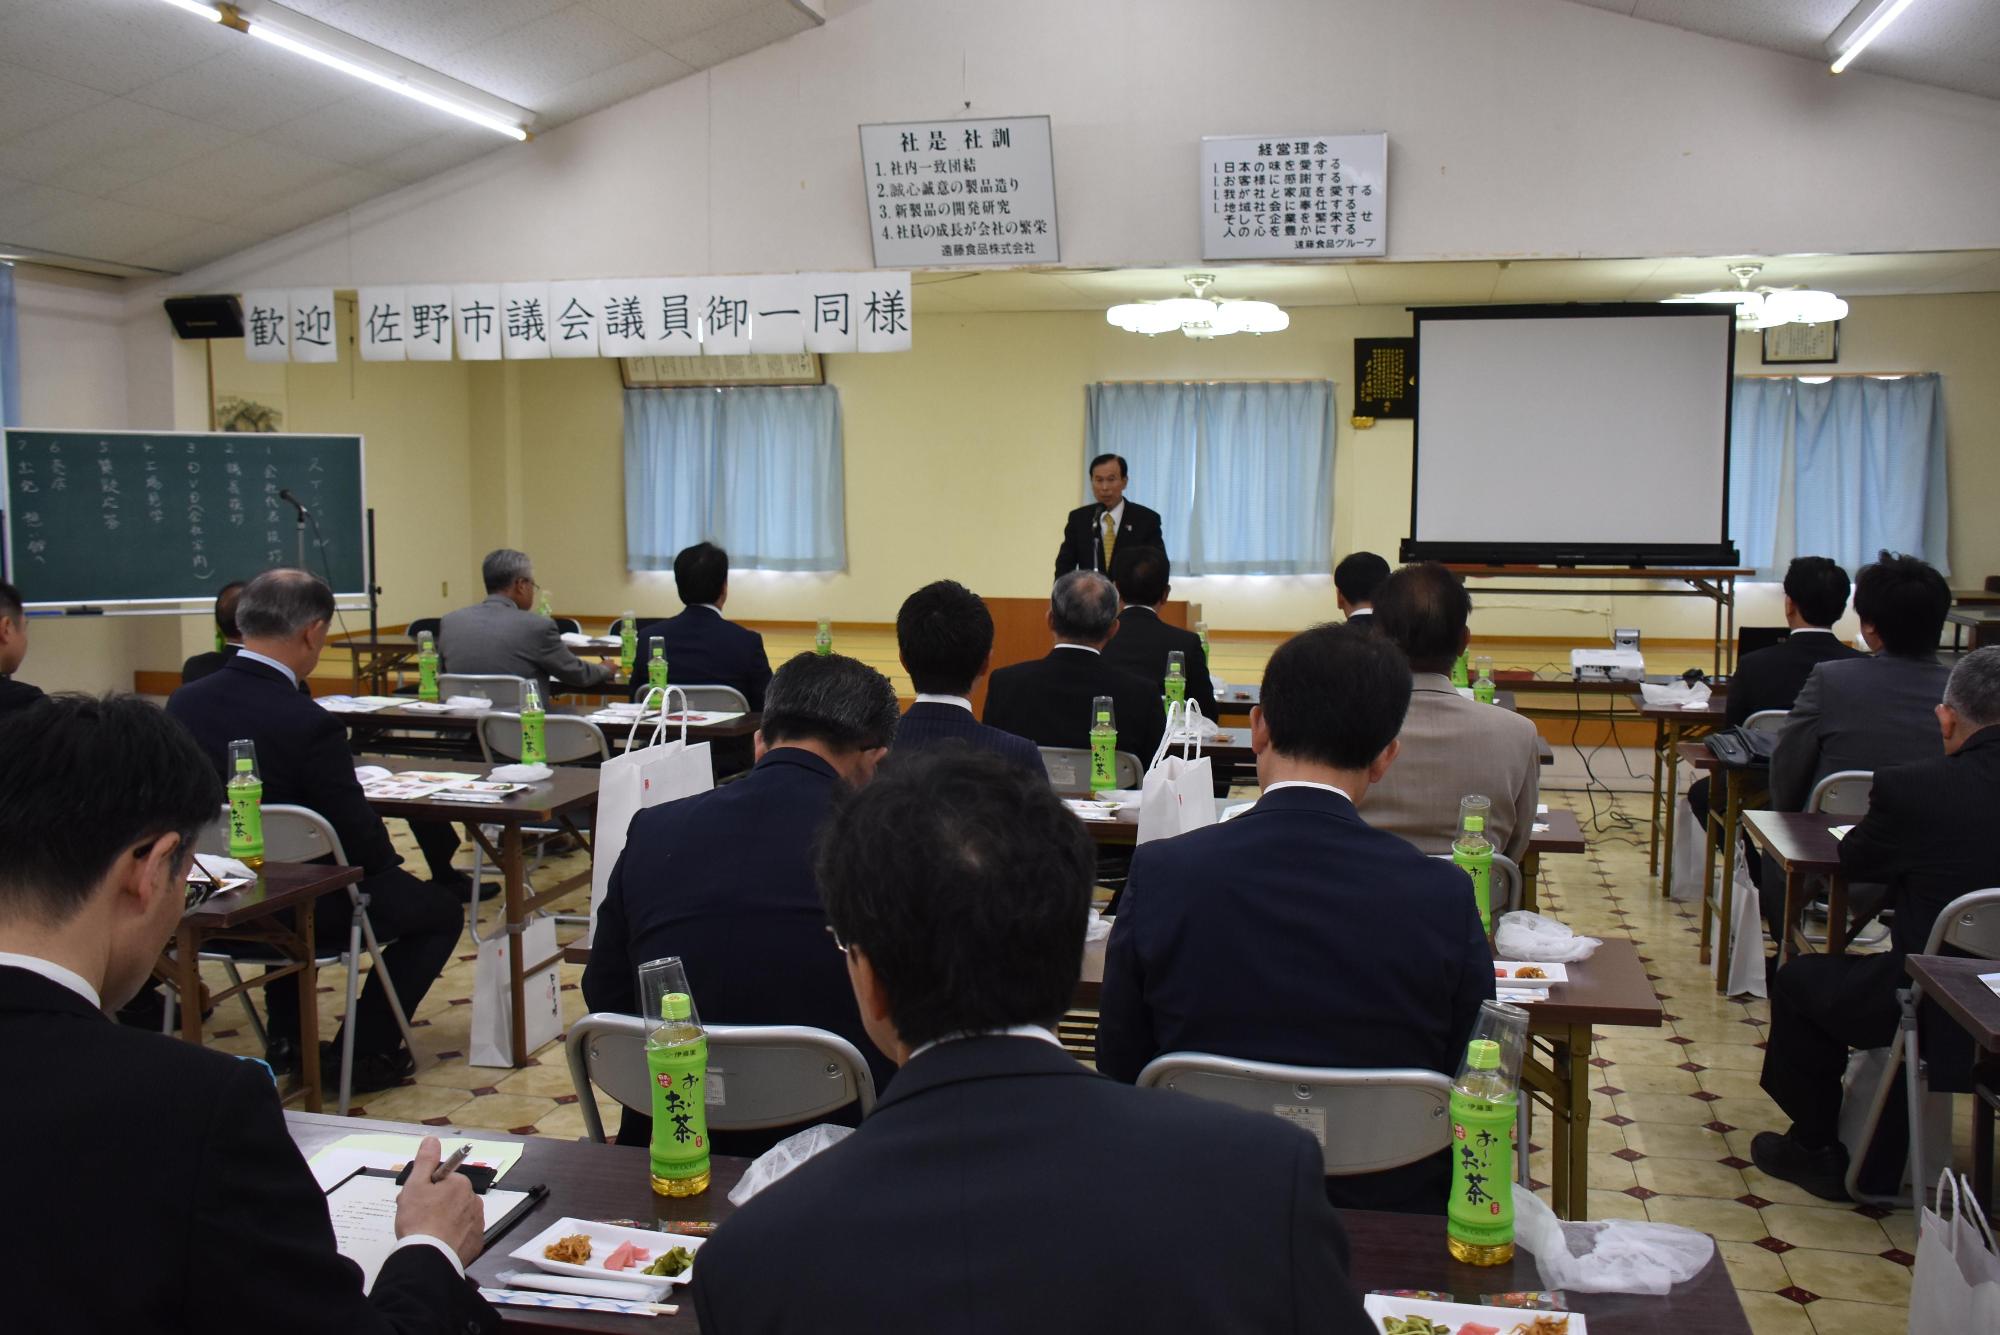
(1767, 720)
(1068, 768)
(566, 739)
(299, 834)
(1970, 923)
(1845, 793)
(504, 691)
(760, 1076)
(716, 699)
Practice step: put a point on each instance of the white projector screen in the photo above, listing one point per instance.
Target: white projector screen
(1573, 434)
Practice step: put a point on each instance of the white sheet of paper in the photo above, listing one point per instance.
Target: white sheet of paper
(1992, 981)
(224, 869)
(363, 1210)
(389, 1149)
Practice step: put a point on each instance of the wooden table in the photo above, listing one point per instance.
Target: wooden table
(555, 799)
(254, 913)
(1954, 985)
(1671, 726)
(374, 659)
(369, 731)
(1386, 1251)
(1724, 819)
(1984, 625)
(1803, 845)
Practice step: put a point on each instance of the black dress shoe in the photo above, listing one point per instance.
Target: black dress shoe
(489, 891)
(1823, 1172)
(372, 1070)
(282, 1056)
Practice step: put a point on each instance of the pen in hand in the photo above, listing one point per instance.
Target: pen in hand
(450, 1165)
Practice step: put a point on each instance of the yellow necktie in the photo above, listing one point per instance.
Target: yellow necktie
(1110, 539)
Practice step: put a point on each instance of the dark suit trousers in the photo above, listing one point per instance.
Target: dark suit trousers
(1821, 1006)
(439, 841)
(422, 921)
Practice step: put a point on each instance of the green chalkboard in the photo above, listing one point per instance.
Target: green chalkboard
(104, 517)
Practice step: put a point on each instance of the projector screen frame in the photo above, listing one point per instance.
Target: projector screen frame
(1637, 556)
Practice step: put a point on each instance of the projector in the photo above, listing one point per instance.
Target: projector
(1607, 664)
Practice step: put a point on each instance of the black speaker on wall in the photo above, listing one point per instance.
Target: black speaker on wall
(206, 317)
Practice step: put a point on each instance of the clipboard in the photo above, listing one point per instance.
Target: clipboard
(362, 1208)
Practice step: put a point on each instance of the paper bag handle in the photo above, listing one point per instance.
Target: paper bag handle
(663, 695)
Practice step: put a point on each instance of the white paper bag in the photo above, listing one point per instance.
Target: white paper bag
(493, 998)
(1746, 933)
(1178, 794)
(1956, 1285)
(1690, 838)
(657, 771)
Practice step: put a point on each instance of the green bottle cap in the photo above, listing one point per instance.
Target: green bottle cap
(676, 1006)
(1475, 824)
(243, 765)
(1482, 1054)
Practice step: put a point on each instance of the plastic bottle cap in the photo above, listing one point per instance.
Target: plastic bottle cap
(1482, 1054)
(1474, 824)
(243, 765)
(678, 1006)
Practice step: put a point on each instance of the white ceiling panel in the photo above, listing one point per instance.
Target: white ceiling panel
(24, 202)
(440, 150)
(431, 30)
(225, 184)
(528, 64)
(322, 199)
(249, 90)
(196, 247)
(108, 146)
(760, 25)
(112, 46)
(358, 132)
(30, 99)
(106, 229)
(666, 24)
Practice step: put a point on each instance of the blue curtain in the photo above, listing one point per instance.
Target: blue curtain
(10, 352)
(1242, 474)
(757, 470)
(1760, 422)
(1870, 459)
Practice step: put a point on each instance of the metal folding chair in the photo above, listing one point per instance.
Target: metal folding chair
(760, 1076)
(504, 691)
(1068, 768)
(715, 699)
(1844, 793)
(1767, 720)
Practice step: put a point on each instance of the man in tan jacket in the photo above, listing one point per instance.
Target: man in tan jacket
(1452, 746)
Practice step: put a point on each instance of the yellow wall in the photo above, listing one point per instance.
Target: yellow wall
(963, 454)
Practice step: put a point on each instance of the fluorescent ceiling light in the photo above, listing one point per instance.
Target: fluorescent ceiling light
(1867, 21)
(321, 52)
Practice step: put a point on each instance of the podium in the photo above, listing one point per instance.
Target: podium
(1021, 632)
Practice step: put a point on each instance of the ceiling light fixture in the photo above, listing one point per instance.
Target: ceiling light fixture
(1768, 307)
(300, 42)
(1198, 316)
(1863, 24)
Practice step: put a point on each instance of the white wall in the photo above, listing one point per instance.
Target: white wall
(1524, 128)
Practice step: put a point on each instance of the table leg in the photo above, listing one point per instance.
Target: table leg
(1531, 866)
(1790, 922)
(1724, 934)
(1982, 1151)
(1836, 915)
(1670, 809)
(309, 1075)
(1573, 1065)
(1708, 835)
(517, 977)
(1659, 788)
(187, 980)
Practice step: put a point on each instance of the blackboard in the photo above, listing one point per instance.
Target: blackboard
(107, 517)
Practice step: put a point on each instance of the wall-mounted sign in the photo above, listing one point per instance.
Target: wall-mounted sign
(961, 192)
(1314, 196)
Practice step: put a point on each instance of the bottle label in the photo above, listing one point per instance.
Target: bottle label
(1103, 760)
(534, 751)
(1482, 690)
(823, 644)
(680, 1111)
(1481, 1208)
(1479, 866)
(246, 820)
(1459, 675)
(656, 674)
(1176, 689)
(427, 677)
(628, 650)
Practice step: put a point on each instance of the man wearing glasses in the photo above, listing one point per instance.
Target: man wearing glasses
(503, 636)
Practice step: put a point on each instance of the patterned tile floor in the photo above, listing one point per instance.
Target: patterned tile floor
(1675, 1109)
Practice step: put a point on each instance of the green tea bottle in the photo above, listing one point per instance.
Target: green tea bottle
(628, 642)
(246, 805)
(1459, 676)
(1473, 851)
(823, 638)
(427, 666)
(1176, 675)
(1482, 680)
(1201, 629)
(677, 1071)
(656, 663)
(534, 746)
(1479, 1216)
(1103, 746)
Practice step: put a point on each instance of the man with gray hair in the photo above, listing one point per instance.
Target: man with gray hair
(303, 759)
(724, 879)
(1926, 837)
(503, 636)
(1048, 700)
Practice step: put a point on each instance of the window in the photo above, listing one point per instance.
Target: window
(1242, 473)
(1839, 466)
(757, 470)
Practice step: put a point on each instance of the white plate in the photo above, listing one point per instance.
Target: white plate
(1456, 1315)
(604, 1239)
(1557, 973)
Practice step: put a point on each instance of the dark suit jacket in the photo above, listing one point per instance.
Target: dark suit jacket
(1048, 701)
(704, 648)
(17, 695)
(200, 665)
(1772, 677)
(1083, 536)
(302, 751)
(929, 724)
(1363, 617)
(1295, 933)
(1857, 713)
(724, 879)
(237, 1236)
(1142, 644)
(991, 1168)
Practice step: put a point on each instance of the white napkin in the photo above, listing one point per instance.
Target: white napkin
(521, 773)
(1679, 694)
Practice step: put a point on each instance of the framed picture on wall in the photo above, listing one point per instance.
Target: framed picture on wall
(1788, 343)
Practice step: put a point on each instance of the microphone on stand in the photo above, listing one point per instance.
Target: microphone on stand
(285, 494)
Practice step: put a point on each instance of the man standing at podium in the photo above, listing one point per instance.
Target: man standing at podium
(1093, 533)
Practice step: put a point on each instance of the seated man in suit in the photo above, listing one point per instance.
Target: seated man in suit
(13, 649)
(957, 886)
(1048, 699)
(703, 648)
(1451, 746)
(100, 803)
(504, 637)
(1093, 533)
(1295, 933)
(724, 879)
(944, 635)
(1926, 836)
(1143, 640)
(1355, 581)
(303, 758)
(200, 665)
